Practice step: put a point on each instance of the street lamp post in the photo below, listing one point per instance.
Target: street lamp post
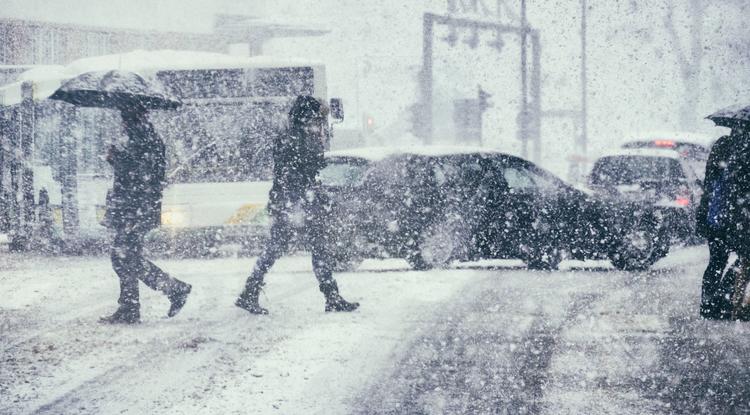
(584, 93)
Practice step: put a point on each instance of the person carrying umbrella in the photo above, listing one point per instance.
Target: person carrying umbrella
(134, 202)
(739, 232)
(711, 223)
(721, 215)
(296, 196)
(134, 208)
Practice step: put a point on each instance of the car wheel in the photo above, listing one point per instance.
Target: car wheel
(641, 244)
(439, 244)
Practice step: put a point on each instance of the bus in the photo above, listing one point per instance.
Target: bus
(218, 144)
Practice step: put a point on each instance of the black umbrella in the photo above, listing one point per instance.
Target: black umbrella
(115, 89)
(731, 116)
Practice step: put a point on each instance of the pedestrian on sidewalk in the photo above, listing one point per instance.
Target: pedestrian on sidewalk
(712, 223)
(133, 209)
(297, 200)
(739, 212)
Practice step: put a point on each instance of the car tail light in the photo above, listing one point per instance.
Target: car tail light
(682, 201)
(664, 143)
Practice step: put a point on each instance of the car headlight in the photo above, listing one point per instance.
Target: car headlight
(175, 217)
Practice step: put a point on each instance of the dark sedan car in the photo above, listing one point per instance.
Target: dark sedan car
(434, 205)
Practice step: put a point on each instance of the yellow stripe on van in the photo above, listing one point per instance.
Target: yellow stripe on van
(57, 215)
(245, 214)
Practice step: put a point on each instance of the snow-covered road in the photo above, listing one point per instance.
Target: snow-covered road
(482, 338)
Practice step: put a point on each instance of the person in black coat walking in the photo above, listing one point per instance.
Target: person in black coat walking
(296, 197)
(739, 200)
(717, 286)
(738, 235)
(133, 209)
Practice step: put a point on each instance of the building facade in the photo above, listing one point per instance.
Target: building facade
(41, 43)
(26, 42)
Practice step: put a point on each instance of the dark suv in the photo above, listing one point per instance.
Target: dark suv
(658, 177)
(434, 205)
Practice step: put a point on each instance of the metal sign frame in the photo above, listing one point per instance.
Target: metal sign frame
(530, 113)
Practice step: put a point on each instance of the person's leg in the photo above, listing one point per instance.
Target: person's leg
(714, 301)
(125, 256)
(158, 280)
(280, 234)
(739, 270)
(322, 262)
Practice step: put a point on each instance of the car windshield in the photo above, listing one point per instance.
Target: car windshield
(624, 170)
(342, 173)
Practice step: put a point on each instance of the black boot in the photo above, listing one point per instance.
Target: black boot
(178, 297)
(248, 300)
(334, 301)
(125, 314)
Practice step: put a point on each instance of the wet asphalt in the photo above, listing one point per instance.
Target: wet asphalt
(575, 342)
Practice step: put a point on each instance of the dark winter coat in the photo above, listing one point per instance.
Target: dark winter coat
(297, 160)
(718, 160)
(739, 198)
(139, 179)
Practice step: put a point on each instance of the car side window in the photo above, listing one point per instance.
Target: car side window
(546, 184)
(447, 173)
(517, 179)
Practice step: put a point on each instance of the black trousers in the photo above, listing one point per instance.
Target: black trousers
(130, 266)
(282, 230)
(717, 285)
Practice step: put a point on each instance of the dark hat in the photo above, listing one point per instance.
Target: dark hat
(305, 109)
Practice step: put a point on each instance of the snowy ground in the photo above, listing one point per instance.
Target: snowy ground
(481, 338)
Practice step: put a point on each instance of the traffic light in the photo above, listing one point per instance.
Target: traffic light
(368, 124)
(484, 99)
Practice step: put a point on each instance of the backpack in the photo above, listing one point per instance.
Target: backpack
(718, 202)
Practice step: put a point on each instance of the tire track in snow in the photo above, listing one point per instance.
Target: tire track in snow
(468, 362)
(607, 361)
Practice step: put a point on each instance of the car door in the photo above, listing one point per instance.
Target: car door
(520, 210)
(382, 189)
(342, 180)
(559, 206)
(540, 200)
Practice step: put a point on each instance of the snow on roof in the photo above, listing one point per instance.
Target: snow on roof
(380, 153)
(367, 153)
(149, 61)
(681, 136)
(447, 150)
(146, 63)
(643, 152)
(46, 78)
(42, 73)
